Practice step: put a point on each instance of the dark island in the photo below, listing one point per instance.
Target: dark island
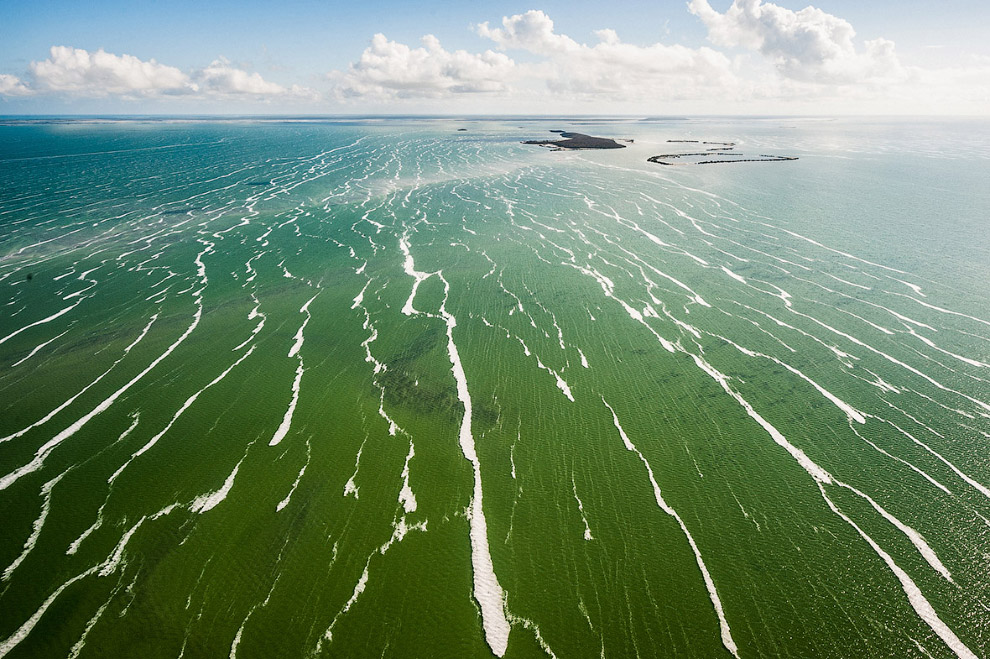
(577, 141)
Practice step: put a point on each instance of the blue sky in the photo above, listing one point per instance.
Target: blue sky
(657, 57)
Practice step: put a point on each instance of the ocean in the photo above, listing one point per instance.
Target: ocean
(407, 387)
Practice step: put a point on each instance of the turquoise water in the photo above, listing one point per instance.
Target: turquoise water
(383, 387)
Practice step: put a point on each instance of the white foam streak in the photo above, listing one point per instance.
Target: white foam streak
(587, 529)
(561, 384)
(360, 296)
(298, 339)
(37, 348)
(894, 360)
(726, 634)
(22, 632)
(210, 500)
(49, 446)
(46, 493)
(532, 626)
(931, 344)
(81, 643)
(406, 496)
(849, 410)
(350, 487)
(255, 313)
(285, 502)
(982, 489)
(916, 539)
(942, 310)
(410, 268)
(608, 287)
(283, 428)
(55, 315)
(920, 472)
(733, 275)
(175, 417)
(918, 602)
(820, 475)
(835, 251)
(68, 402)
(116, 559)
(487, 590)
(358, 589)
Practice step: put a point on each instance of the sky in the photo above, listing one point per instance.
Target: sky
(658, 57)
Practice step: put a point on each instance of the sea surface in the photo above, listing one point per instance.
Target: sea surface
(386, 387)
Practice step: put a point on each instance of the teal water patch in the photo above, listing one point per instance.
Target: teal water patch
(394, 389)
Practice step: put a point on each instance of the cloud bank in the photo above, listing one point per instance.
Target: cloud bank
(759, 58)
(808, 45)
(12, 86)
(611, 67)
(388, 69)
(76, 72)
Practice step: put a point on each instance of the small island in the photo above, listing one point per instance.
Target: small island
(577, 141)
(720, 151)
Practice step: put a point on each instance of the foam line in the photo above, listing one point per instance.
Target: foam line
(49, 446)
(982, 489)
(24, 630)
(850, 411)
(350, 487)
(55, 315)
(210, 500)
(918, 602)
(942, 310)
(285, 502)
(410, 269)
(359, 587)
(406, 496)
(175, 417)
(846, 254)
(46, 505)
(587, 529)
(726, 633)
(487, 590)
(61, 407)
(283, 428)
(37, 348)
(81, 643)
(738, 278)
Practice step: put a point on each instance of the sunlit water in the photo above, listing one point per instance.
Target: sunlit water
(389, 388)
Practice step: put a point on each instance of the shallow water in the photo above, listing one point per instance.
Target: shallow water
(383, 387)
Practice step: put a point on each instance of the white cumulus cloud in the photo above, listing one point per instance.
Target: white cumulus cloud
(809, 45)
(388, 69)
(612, 67)
(12, 86)
(76, 70)
(99, 74)
(222, 78)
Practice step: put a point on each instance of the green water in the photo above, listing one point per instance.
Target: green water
(714, 409)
